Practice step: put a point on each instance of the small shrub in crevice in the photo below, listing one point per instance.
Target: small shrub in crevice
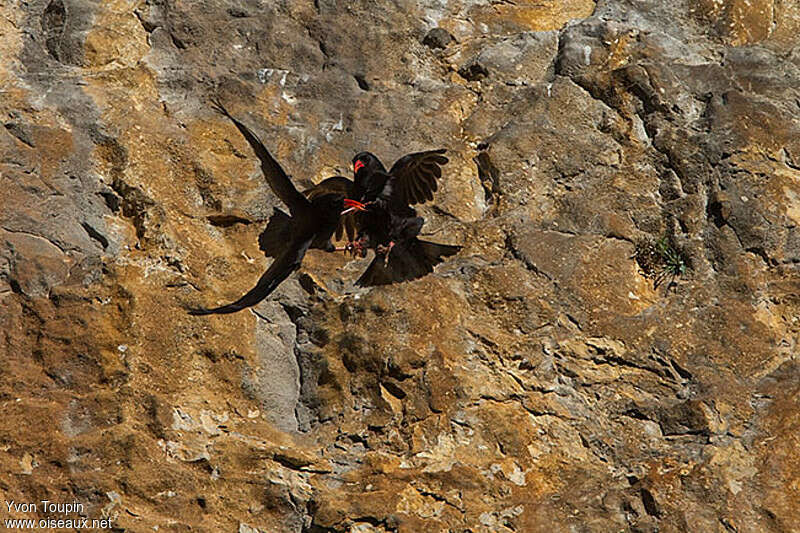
(661, 260)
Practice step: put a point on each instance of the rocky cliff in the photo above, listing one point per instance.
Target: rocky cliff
(614, 349)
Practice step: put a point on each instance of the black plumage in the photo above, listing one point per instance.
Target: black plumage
(413, 178)
(279, 228)
(390, 225)
(314, 218)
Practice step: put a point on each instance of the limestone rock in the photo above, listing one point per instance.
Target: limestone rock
(614, 348)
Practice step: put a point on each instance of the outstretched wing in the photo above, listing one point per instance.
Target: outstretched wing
(414, 176)
(278, 271)
(338, 185)
(277, 179)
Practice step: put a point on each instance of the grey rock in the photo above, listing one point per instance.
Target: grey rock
(437, 38)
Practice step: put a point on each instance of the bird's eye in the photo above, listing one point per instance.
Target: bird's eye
(358, 165)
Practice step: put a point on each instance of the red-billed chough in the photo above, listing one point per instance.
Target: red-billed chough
(390, 225)
(315, 217)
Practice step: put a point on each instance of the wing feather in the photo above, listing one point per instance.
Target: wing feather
(277, 179)
(278, 271)
(348, 224)
(334, 185)
(416, 175)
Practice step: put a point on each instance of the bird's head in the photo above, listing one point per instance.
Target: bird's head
(366, 163)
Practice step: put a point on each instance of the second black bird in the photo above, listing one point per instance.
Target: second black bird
(390, 225)
(315, 217)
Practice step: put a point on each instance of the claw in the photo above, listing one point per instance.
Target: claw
(360, 247)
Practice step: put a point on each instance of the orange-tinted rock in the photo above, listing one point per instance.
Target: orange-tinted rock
(613, 348)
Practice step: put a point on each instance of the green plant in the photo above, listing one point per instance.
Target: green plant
(661, 260)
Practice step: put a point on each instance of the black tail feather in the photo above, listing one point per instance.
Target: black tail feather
(408, 260)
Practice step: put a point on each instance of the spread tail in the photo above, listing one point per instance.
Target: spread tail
(408, 260)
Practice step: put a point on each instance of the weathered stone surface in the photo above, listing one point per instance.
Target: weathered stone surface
(614, 348)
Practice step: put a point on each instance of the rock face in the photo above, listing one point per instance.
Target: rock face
(614, 349)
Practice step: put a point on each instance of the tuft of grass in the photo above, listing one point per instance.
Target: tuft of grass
(661, 260)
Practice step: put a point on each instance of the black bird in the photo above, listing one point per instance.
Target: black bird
(315, 217)
(412, 180)
(413, 176)
(279, 228)
(390, 225)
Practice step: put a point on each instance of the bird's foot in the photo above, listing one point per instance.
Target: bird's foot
(385, 250)
(355, 248)
(360, 247)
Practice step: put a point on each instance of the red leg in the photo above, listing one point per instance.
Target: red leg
(355, 248)
(385, 250)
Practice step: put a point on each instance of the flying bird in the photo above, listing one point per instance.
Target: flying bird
(314, 218)
(413, 177)
(412, 180)
(389, 224)
(279, 228)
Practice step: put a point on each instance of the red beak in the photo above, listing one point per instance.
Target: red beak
(358, 165)
(352, 205)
